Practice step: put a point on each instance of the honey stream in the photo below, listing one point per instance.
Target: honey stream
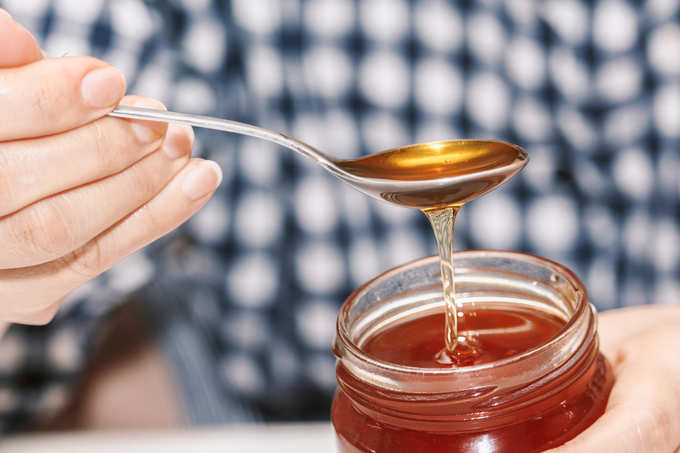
(439, 160)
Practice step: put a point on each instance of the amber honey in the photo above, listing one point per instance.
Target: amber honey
(481, 351)
(475, 165)
(495, 335)
(436, 174)
(435, 160)
(535, 380)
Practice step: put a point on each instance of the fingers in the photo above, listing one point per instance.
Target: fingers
(37, 287)
(181, 198)
(629, 428)
(644, 405)
(17, 46)
(55, 95)
(100, 149)
(57, 225)
(620, 326)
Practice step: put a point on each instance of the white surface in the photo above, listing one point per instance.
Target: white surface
(298, 438)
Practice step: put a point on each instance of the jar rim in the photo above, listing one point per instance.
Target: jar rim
(568, 329)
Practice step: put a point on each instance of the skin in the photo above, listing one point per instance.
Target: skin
(79, 191)
(643, 411)
(62, 224)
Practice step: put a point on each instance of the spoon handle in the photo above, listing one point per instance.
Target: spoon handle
(139, 113)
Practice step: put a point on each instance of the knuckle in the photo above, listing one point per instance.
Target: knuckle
(143, 180)
(103, 141)
(43, 229)
(149, 219)
(43, 102)
(113, 145)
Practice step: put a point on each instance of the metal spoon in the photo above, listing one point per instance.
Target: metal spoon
(426, 175)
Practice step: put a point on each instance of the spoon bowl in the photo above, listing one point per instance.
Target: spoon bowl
(435, 174)
(424, 176)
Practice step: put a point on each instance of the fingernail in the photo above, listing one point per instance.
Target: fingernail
(178, 140)
(146, 131)
(103, 87)
(202, 180)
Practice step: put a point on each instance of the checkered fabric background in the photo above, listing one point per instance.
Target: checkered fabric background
(246, 293)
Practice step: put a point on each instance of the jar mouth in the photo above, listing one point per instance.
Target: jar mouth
(541, 280)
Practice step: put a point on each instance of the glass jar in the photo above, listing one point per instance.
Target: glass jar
(528, 402)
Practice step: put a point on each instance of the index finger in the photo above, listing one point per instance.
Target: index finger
(55, 95)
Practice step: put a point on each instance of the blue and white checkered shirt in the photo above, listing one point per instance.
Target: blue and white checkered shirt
(246, 293)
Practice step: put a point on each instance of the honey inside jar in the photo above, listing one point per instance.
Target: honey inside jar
(532, 378)
(495, 334)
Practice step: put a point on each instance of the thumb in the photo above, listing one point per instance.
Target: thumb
(17, 46)
(644, 405)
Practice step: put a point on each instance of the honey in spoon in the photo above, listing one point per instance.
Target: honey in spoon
(438, 178)
(435, 174)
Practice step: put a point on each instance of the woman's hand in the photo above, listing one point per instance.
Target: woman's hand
(79, 190)
(643, 413)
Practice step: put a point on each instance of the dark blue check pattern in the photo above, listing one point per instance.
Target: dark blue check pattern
(245, 294)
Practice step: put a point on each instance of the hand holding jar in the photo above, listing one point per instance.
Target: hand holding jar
(643, 412)
(79, 190)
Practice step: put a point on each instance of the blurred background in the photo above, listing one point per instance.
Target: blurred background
(230, 318)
